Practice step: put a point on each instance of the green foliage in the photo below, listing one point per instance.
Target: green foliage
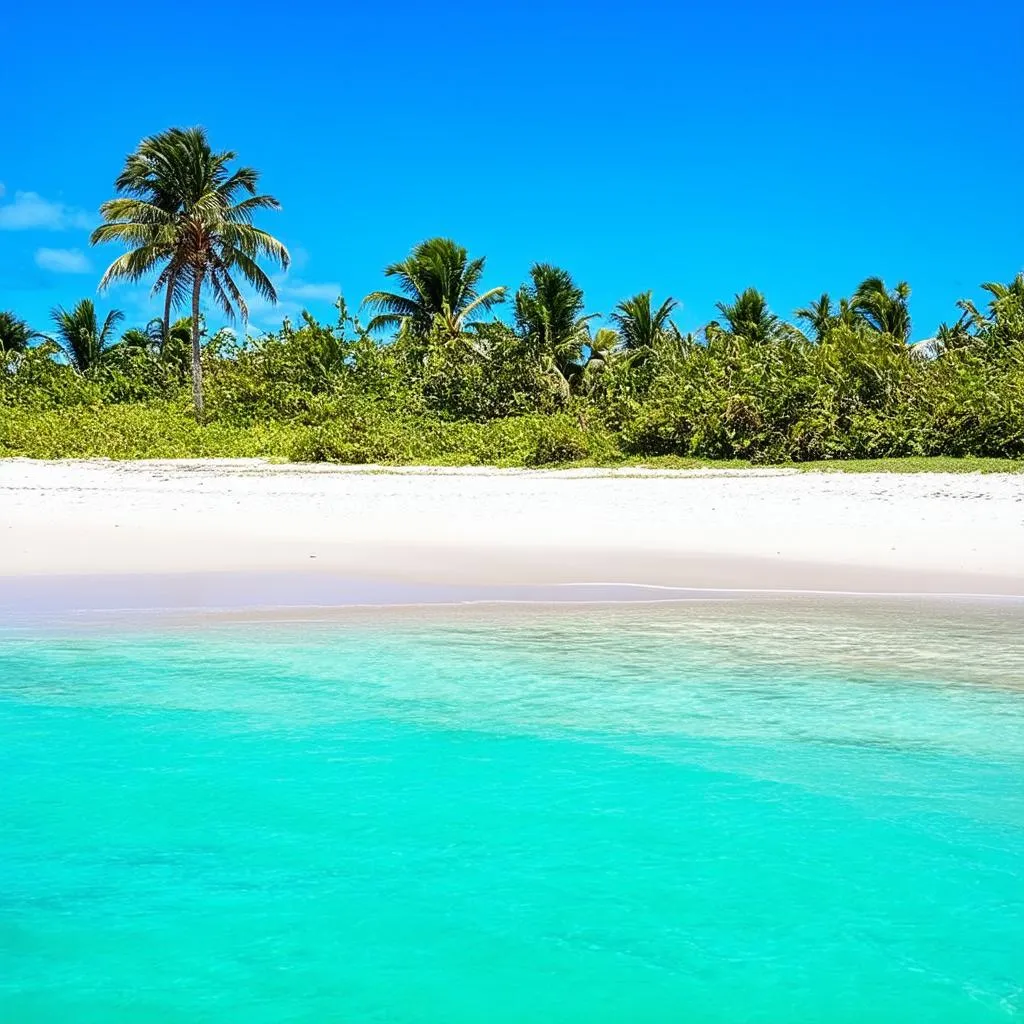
(35, 380)
(924, 464)
(857, 394)
(450, 385)
(449, 388)
(134, 432)
(296, 374)
(491, 373)
(823, 318)
(375, 437)
(553, 328)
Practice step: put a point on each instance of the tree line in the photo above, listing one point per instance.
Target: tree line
(840, 379)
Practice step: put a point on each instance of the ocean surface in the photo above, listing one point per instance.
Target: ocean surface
(709, 811)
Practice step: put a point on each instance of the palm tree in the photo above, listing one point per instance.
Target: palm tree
(81, 338)
(549, 315)
(882, 310)
(818, 315)
(1005, 298)
(184, 214)
(603, 348)
(748, 317)
(439, 287)
(1002, 326)
(822, 317)
(640, 325)
(15, 334)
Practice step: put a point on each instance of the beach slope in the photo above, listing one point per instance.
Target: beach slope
(733, 530)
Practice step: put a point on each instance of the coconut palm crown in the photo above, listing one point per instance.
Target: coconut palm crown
(438, 284)
(883, 310)
(80, 336)
(550, 318)
(747, 317)
(639, 324)
(15, 333)
(823, 317)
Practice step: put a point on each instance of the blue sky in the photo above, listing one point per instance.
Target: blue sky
(690, 148)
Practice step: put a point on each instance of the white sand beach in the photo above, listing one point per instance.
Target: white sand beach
(738, 530)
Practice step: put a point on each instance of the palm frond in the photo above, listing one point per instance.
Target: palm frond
(385, 321)
(243, 212)
(113, 318)
(133, 265)
(491, 298)
(252, 272)
(254, 242)
(226, 294)
(389, 302)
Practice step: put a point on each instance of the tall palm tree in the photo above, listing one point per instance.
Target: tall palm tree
(882, 310)
(80, 336)
(748, 317)
(186, 215)
(15, 333)
(639, 324)
(549, 315)
(439, 285)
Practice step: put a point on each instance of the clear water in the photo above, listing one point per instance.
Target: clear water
(705, 813)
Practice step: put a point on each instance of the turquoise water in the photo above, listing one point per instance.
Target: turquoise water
(665, 814)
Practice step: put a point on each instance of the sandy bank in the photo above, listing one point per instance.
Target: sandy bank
(772, 530)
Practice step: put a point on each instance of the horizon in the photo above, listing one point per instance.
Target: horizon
(598, 176)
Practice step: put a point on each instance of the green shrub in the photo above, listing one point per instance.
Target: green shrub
(133, 432)
(486, 397)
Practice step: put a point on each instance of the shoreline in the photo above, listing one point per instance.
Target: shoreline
(253, 595)
(221, 533)
(971, 642)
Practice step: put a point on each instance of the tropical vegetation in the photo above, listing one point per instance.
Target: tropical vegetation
(444, 365)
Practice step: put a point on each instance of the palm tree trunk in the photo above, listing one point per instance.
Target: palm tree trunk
(167, 316)
(197, 356)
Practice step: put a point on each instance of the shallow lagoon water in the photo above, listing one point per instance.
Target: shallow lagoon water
(715, 811)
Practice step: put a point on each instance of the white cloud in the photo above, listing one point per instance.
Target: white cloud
(265, 313)
(293, 296)
(30, 210)
(307, 290)
(63, 261)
